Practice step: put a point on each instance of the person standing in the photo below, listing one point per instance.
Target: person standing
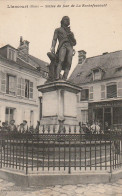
(25, 126)
(12, 126)
(95, 128)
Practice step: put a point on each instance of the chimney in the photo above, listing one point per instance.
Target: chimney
(105, 53)
(23, 49)
(81, 56)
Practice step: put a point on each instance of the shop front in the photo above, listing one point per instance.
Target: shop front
(107, 113)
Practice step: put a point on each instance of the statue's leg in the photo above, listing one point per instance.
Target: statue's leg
(68, 62)
(66, 72)
(62, 54)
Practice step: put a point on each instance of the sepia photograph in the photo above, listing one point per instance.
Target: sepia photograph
(60, 98)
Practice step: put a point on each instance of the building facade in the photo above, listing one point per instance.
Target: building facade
(100, 99)
(20, 74)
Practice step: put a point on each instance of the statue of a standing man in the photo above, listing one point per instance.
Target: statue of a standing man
(65, 50)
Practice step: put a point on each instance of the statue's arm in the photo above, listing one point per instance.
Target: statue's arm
(54, 41)
(74, 40)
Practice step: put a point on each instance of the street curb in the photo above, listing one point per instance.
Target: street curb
(117, 174)
(52, 179)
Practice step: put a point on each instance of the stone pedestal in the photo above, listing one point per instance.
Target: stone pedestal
(59, 103)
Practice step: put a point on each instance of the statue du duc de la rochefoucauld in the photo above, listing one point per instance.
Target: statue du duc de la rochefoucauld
(62, 58)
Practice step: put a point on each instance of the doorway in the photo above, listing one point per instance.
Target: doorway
(98, 115)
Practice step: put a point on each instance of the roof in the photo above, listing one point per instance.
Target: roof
(38, 63)
(109, 63)
(8, 45)
(33, 63)
(20, 64)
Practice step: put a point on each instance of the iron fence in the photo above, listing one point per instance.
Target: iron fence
(60, 151)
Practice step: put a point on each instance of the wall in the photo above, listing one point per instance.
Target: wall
(23, 106)
(50, 104)
(83, 105)
(70, 106)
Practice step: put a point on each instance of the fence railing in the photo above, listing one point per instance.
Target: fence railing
(60, 152)
(51, 128)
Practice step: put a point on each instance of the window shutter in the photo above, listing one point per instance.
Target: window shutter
(91, 96)
(18, 86)
(91, 89)
(77, 98)
(7, 83)
(3, 82)
(120, 84)
(31, 90)
(22, 87)
(119, 90)
(91, 93)
(102, 91)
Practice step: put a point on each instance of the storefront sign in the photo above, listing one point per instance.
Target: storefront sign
(106, 104)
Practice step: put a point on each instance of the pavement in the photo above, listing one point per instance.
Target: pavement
(109, 189)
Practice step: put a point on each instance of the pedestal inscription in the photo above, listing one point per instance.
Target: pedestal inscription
(59, 103)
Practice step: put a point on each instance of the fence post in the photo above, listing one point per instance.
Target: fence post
(110, 153)
(69, 152)
(1, 152)
(26, 156)
(121, 150)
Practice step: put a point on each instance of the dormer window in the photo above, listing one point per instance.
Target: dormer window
(79, 74)
(12, 54)
(96, 75)
(119, 68)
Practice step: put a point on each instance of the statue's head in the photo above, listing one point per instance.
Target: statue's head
(65, 21)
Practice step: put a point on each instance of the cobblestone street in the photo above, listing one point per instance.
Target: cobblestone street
(110, 189)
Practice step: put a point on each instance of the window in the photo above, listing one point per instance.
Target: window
(20, 87)
(9, 114)
(84, 116)
(84, 94)
(27, 88)
(12, 55)
(97, 75)
(24, 88)
(112, 91)
(11, 85)
(46, 74)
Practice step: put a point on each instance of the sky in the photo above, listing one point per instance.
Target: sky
(97, 30)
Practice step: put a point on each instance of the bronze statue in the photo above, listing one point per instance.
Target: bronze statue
(62, 59)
